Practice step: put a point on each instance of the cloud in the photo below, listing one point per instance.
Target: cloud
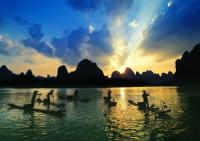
(133, 24)
(170, 3)
(100, 40)
(40, 46)
(175, 31)
(30, 61)
(8, 47)
(80, 43)
(35, 39)
(21, 21)
(68, 48)
(91, 28)
(3, 49)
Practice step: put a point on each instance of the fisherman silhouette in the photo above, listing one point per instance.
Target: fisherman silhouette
(145, 99)
(109, 94)
(47, 101)
(76, 94)
(33, 101)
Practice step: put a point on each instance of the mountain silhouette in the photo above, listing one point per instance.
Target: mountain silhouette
(62, 73)
(29, 73)
(87, 70)
(188, 67)
(150, 77)
(116, 75)
(147, 76)
(5, 73)
(167, 77)
(128, 74)
(88, 73)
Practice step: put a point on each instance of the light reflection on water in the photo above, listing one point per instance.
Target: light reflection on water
(95, 121)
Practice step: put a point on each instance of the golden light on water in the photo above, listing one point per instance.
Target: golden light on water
(122, 101)
(122, 93)
(125, 119)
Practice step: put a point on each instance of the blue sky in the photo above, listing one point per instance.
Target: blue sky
(141, 34)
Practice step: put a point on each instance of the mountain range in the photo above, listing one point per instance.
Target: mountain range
(88, 73)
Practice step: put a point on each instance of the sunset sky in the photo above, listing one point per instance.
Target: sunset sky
(140, 34)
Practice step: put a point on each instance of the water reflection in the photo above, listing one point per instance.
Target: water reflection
(94, 120)
(127, 122)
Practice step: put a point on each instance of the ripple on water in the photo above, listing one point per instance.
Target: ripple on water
(95, 121)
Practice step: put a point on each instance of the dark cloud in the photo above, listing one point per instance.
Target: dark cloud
(4, 51)
(100, 41)
(35, 38)
(40, 46)
(114, 7)
(176, 31)
(76, 40)
(21, 21)
(69, 46)
(60, 45)
(80, 43)
(35, 32)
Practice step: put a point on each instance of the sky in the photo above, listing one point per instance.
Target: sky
(139, 34)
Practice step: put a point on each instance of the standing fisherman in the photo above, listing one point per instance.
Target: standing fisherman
(33, 100)
(145, 99)
(47, 101)
(76, 94)
(109, 94)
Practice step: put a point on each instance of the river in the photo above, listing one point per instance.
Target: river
(95, 121)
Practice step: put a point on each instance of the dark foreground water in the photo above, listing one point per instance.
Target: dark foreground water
(94, 121)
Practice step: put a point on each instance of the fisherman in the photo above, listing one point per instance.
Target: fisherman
(145, 99)
(109, 94)
(33, 100)
(47, 101)
(76, 94)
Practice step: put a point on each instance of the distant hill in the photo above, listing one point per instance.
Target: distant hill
(87, 74)
(62, 73)
(5, 73)
(87, 70)
(188, 67)
(29, 73)
(128, 74)
(148, 76)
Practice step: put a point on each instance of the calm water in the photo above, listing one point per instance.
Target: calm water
(94, 121)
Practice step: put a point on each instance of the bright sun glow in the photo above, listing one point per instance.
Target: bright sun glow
(122, 69)
(127, 52)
